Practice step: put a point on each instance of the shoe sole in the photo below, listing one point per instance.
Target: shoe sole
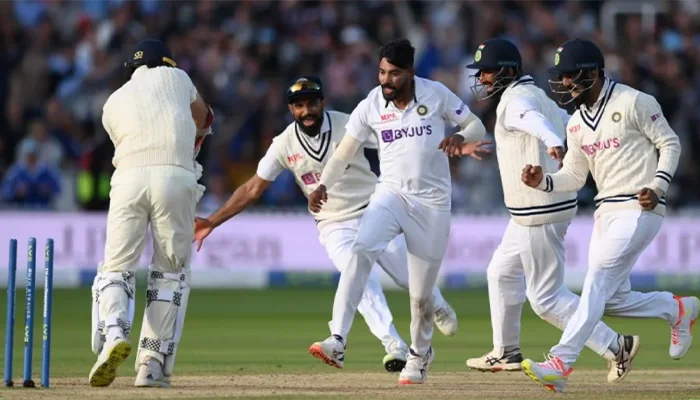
(692, 322)
(633, 354)
(527, 369)
(317, 352)
(394, 364)
(409, 382)
(152, 384)
(104, 374)
(506, 368)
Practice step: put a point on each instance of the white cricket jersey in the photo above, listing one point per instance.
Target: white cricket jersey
(411, 162)
(305, 156)
(528, 122)
(149, 119)
(626, 143)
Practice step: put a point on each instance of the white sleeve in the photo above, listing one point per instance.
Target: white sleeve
(187, 81)
(565, 117)
(358, 126)
(453, 108)
(522, 114)
(270, 167)
(652, 123)
(371, 142)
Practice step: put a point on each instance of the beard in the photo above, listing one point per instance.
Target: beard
(310, 124)
(394, 93)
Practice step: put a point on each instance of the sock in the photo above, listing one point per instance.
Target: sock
(615, 346)
(511, 349)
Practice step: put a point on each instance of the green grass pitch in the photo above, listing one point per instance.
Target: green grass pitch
(249, 332)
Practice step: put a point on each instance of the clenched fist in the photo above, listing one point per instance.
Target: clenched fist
(317, 198)
(648, 199)
(532, 175)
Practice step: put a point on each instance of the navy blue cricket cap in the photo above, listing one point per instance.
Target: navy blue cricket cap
(496, 54)
(152, 53)
(305, 86)
(575, 55)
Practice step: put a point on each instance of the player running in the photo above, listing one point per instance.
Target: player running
(529, 262)
(154, 121)
(614, 134)
(408, 116)
(304, 148)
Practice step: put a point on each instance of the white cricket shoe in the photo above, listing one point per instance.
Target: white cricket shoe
(682, 331)
(331, 351)
(446, 320)
(497, 360)
(396, 356)
(111, 357)
(629, 346)
(416, 371)
(552, 374)
(151, 375)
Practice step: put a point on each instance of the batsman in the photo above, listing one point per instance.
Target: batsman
(157, 122)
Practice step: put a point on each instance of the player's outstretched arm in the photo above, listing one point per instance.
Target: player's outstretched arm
(244, 196)
(570, 178)
(471, 130)
(333, 171)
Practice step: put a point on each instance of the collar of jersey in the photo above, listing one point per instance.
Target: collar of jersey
(417, 92)
(524, 80)
(594, 115)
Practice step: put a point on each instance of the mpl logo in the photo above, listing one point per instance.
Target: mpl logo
(575, 128)
(388, 117)
(389, 135)
(294, 158)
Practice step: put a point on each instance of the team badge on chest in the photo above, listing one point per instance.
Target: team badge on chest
(422, 110)
(616, 117)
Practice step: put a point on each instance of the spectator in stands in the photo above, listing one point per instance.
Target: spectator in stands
(29, 182)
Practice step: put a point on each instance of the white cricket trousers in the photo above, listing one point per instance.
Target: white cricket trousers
(162, 196)
(338, 238)
(530, 263)
(426, 231)
(618, 239)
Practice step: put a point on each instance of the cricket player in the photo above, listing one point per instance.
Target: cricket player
(615, 135)
(154, 121)
(530, 129)
(304, 148)
(409, 116)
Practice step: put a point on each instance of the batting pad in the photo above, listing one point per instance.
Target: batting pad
(112, 305)
(164, 318)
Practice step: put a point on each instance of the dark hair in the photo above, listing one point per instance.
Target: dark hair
(398, 52)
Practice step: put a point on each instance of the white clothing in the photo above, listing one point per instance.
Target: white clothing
(530, 259)
(427, 233)
(617, 140)
(619, 238)
(337, 238)
(149, 119)
(411, 161)
(306, 156)
(528, 123)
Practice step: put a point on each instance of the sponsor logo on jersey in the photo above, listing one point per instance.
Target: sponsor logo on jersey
(655, 117)
(294, 158)
(311, 178)
(593, 148)
(575, 128)
(390, 135)
(388, 117)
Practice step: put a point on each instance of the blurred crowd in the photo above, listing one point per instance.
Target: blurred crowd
(60, 60)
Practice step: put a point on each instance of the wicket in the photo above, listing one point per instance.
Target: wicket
(29, 313)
